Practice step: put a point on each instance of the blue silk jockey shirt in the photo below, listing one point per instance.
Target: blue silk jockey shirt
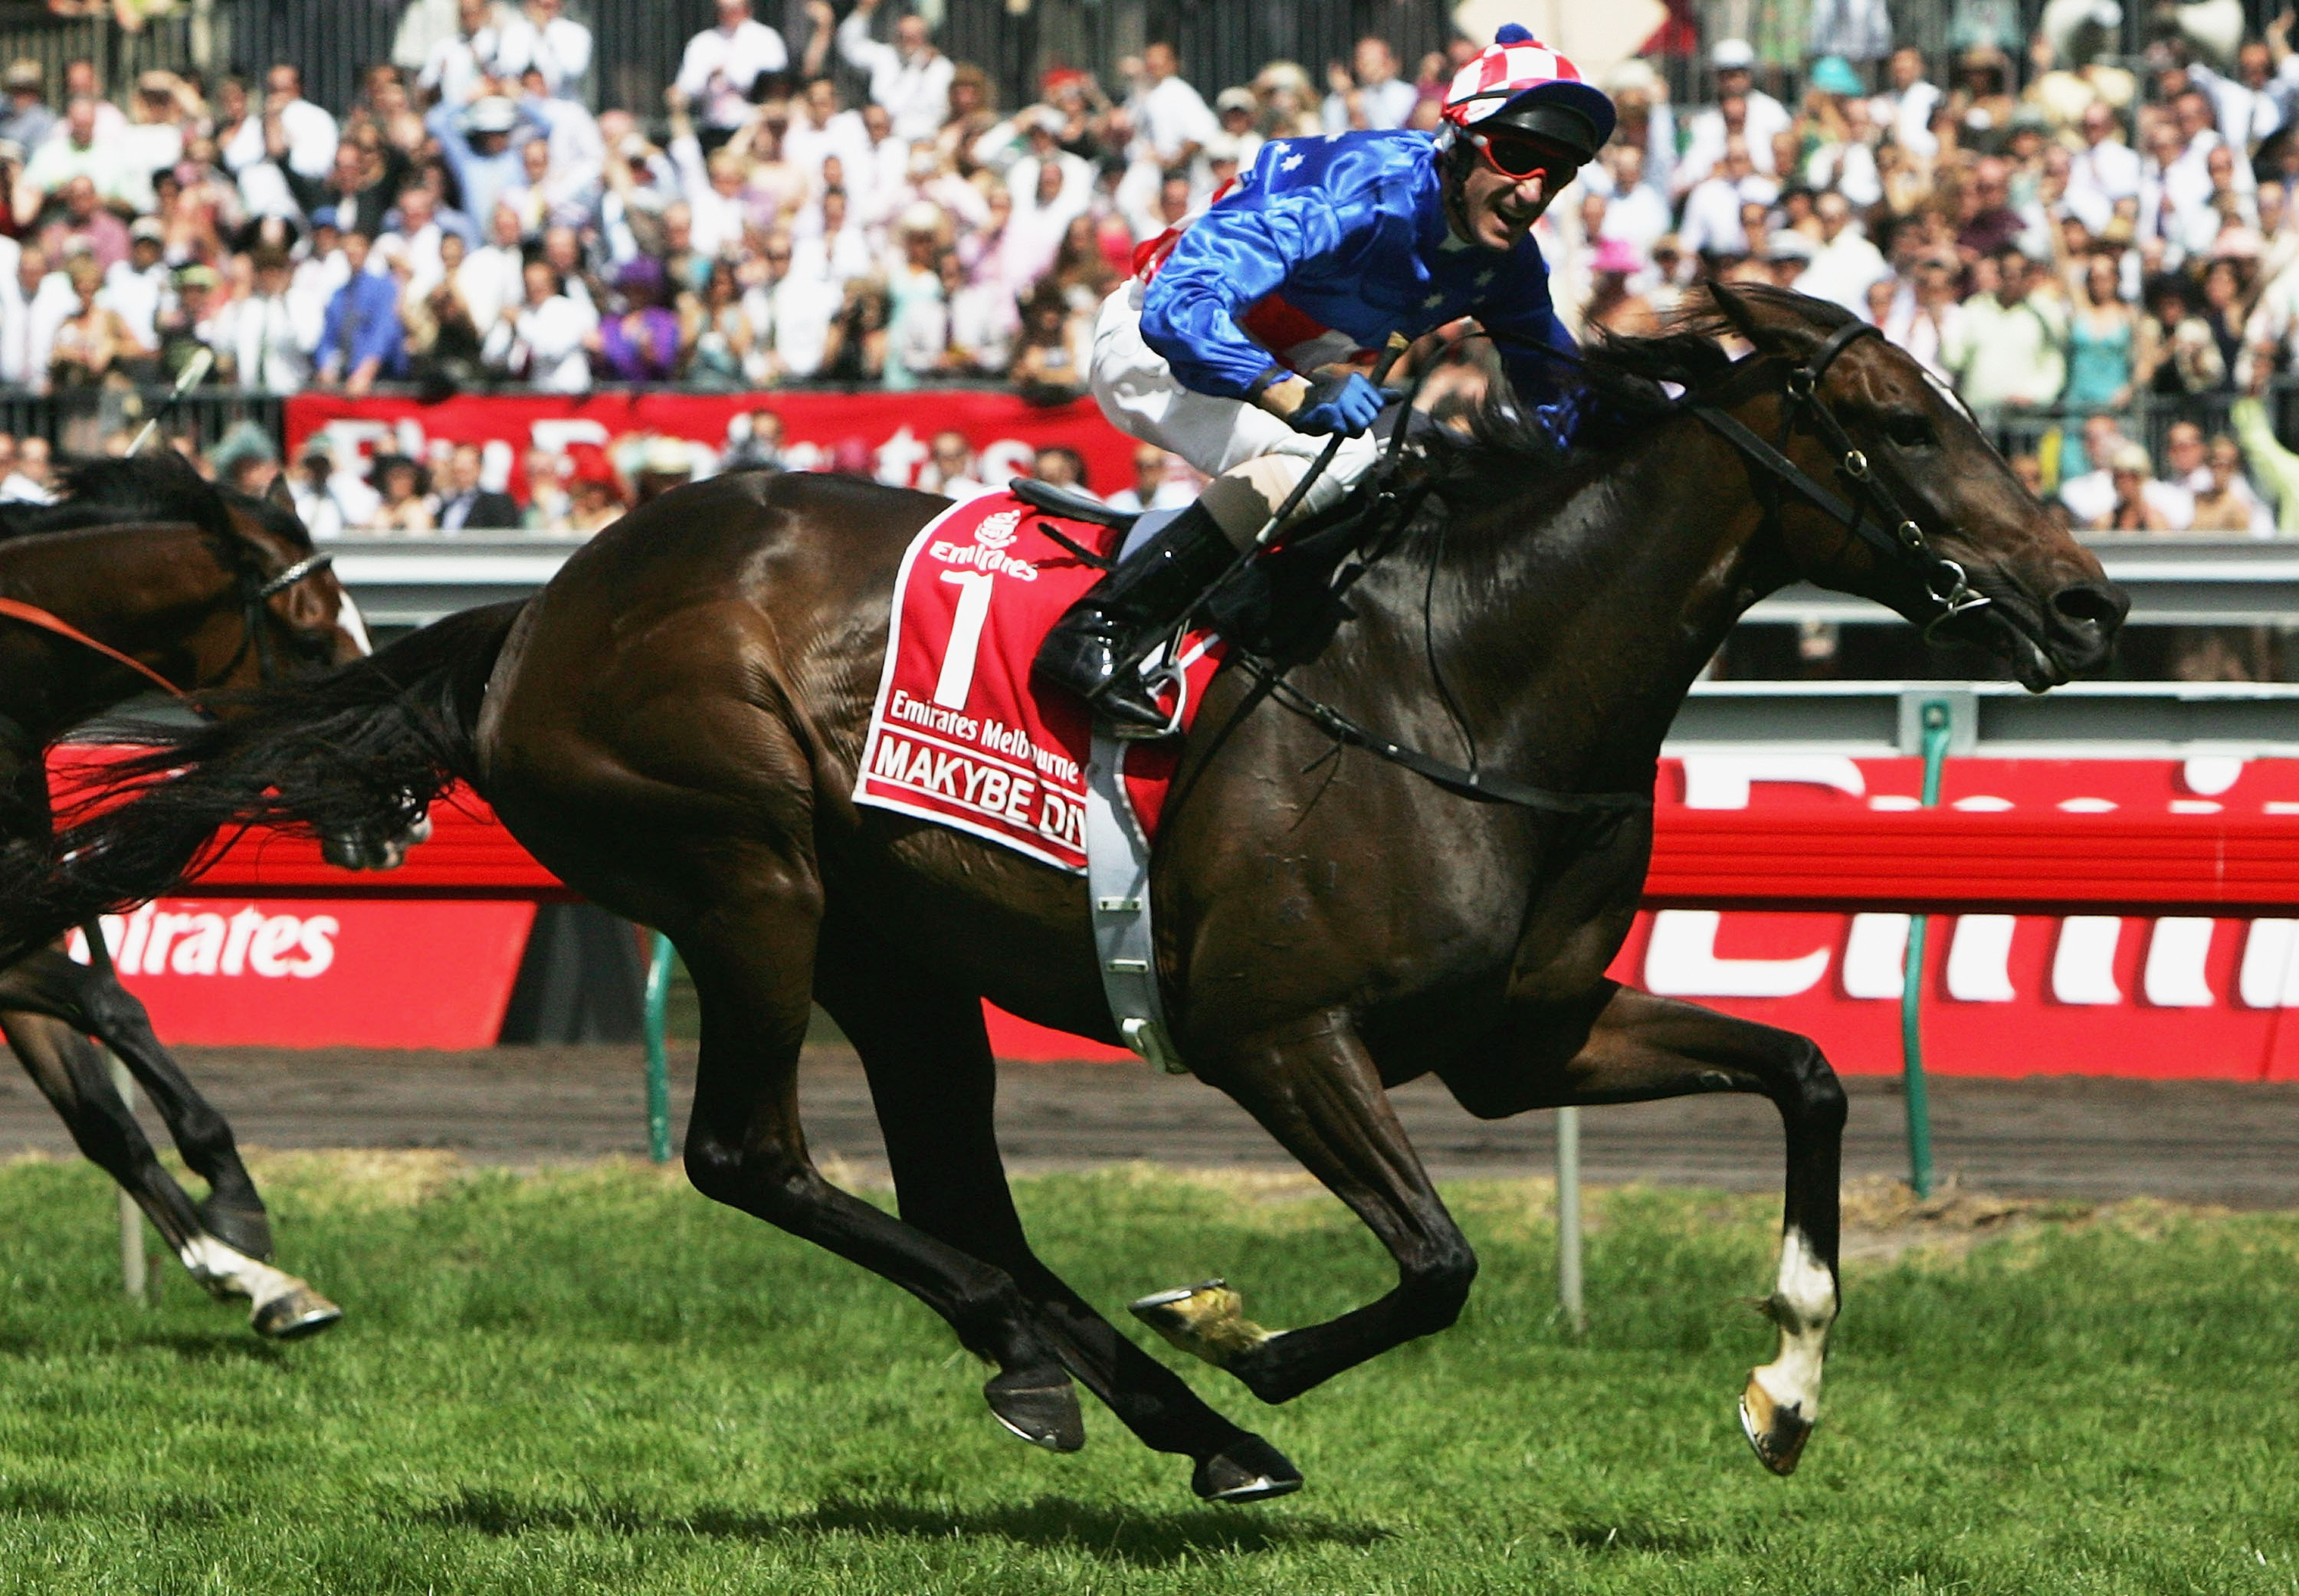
(1325, 247)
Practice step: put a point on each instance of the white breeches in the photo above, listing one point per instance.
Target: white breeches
(1255, 458)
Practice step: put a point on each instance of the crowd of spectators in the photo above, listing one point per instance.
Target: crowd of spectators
(2067, 240)
(475, 223)
(2096, 253)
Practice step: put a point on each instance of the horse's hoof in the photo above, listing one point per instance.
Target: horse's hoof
(294, 1314)
(1206, 1320)
(1248, 1470)
(1777, 1434)
(1043, 1414)
(245, 1230)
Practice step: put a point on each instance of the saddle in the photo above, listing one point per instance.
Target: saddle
(1069, 505)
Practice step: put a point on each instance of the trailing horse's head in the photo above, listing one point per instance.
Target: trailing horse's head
(311, 621)
(299, 621)
(1875, 430)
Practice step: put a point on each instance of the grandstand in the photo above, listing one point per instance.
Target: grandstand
(2082, 222)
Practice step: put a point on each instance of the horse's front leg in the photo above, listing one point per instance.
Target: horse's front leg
(1637, 1048)
(1314, 1087)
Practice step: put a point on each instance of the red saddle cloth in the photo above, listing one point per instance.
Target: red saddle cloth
(961, 734)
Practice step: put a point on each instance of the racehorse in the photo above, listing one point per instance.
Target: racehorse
(168, 582)
(673, 725)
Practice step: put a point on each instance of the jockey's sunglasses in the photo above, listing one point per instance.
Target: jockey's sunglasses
(1517, 156)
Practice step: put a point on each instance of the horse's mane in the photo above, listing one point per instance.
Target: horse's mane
(161, 486)
(1616, 389)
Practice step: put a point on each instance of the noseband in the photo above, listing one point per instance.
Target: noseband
(1876, 514)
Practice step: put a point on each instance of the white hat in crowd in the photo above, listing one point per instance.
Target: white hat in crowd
(492, 114)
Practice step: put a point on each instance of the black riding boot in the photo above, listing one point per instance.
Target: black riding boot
(1142, 597)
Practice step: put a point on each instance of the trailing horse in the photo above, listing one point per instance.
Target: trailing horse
(171, 583)
(673, 725)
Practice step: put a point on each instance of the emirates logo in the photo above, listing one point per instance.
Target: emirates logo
(998, 531)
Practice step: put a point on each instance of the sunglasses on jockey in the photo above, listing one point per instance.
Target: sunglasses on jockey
(1517, 155)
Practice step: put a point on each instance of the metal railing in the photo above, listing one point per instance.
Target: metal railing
(208, 412)
(2148, 420)
(77, 420)
(197, 36)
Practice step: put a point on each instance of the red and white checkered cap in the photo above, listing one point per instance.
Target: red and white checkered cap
(1515, 68)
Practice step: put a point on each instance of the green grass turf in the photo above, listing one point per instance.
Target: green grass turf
(595, 1380)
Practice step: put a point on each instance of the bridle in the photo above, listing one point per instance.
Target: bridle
(256, 589)
(255, 593)
(1876, 514)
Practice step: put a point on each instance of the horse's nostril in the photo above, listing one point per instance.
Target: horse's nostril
(2090, 604)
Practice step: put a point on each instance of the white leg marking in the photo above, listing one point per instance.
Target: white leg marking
(228, 1272)
(1804, 1305)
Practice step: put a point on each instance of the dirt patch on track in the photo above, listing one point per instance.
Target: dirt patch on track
(2033, 1141)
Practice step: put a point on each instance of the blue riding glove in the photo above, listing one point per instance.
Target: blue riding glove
(1345, 404)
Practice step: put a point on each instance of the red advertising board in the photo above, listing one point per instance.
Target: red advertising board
(888, 432)
(2159, 995)
(2149, 995)
(319, 973)
(2169, 987)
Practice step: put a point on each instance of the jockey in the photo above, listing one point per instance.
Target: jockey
(1242, 340)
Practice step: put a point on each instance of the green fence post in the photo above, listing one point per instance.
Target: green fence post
(657, 1073)
(1936, 727)
(1569, 1295)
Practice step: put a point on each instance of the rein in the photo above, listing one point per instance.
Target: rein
(1386, 512)
(253, 595)
(1478, 786)
(32, 614)
(1875, 515)
(1893, 533)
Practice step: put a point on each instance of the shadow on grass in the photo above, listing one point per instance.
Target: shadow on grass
(219, 1345)
(1111, 1533)
(32, 1500)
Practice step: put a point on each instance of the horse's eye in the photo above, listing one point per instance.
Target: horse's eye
(1909, 432)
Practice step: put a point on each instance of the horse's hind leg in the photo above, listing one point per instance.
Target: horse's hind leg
(1639, 1048)
(935, 1084)
(65, 1067)
(752, 956)
(1314, 1087)
(70, 1075)
(90, 998)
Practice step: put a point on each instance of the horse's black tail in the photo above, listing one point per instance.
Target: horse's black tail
(358, 752)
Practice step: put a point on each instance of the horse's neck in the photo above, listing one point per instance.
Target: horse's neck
(1570, 642)
(144, 590)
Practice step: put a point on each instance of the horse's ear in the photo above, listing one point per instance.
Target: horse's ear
(1769, 320)
(1734, 307)
(277, 495)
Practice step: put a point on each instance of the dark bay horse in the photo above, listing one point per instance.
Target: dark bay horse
(673, 725)
(201, 588)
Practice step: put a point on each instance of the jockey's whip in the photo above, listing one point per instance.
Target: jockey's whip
(195, 373)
